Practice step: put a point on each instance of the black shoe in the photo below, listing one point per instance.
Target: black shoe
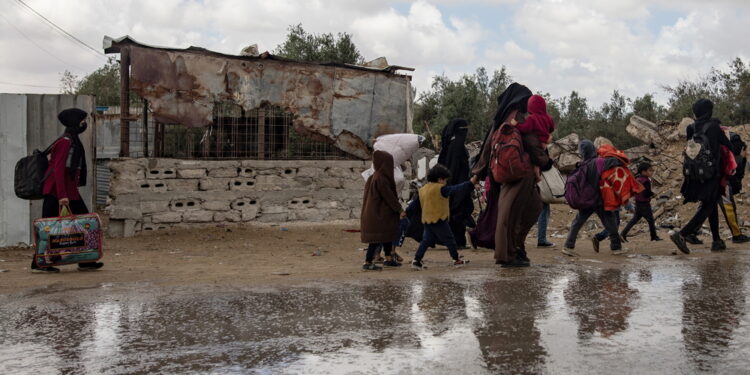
(656, 239)
(515, 263)
(462, 247)
(624, 237)
(417, 264)
(545, 243)
(36, 269)
(460, 262)
(391, 263)
(693, 239)
(718, 245)
(595, 243)
(500, 262)
(90, 266)
(740, 239)
(679, 241)
(371, 267)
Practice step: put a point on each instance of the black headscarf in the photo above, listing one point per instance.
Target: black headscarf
(455, 157)
(515, 97)
(452, 144)
(72, 119)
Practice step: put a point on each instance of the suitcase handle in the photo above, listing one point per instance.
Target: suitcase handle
(65, 210)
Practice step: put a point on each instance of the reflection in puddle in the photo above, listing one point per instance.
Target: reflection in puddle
(666, 317)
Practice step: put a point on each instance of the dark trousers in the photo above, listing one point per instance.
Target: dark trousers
(708, 209)
(642, 210)
(458, 228)
(606, 217)
(374, 248)
(51, 208)
(433, 233)
(605, 233)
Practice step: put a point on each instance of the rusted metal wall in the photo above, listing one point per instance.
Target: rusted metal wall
(349, 107)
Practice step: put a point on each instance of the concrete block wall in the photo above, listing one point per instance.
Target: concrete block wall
(157, 194)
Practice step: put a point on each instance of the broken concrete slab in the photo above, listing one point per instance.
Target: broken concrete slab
(644, 130)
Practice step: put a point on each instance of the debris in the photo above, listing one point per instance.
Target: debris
(644, 130)
(280, 273)
(316, 253)
(1, 271)
(284, 229)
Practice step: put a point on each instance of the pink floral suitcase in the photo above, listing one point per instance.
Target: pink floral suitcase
(67, 239)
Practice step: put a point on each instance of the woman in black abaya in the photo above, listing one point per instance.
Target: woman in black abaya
(455, 157)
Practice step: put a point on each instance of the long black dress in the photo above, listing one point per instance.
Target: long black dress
(455, 157)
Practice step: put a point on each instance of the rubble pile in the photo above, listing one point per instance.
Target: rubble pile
(663, 146)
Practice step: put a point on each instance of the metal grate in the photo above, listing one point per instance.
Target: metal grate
(237, 134)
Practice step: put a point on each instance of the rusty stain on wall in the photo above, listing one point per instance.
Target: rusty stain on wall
(343, 104)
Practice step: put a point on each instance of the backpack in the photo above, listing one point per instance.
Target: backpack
(508, 161)
(699, 162)
(30, 173)
(579, 192)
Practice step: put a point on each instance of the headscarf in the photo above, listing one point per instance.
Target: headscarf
(538, 117)
(453, 154)
(514, 98)
(383, 164)
(586, 150)
(72, 119)
(703, 109)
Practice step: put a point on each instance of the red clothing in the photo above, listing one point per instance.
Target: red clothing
(617, 184)
(59, 182)
(538, 122)
(728, 166)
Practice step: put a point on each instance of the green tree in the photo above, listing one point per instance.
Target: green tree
(646, 107)
(104, 83)
(303, 46)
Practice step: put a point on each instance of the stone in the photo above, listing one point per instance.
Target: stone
(216, 205)
(681, 132)
(191, 173)
(212, 184)
(183, 185)
(644, 130)
(167, 217)
(564, 152)
(223, 172)
(125, 212)
(334, 183)
(601, 141)
(198, 216)
(309, 172)
(230, 216)
(250, 213)
(117, 228)
(149, 207)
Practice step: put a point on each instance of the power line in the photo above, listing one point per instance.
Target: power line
(60, 29)
(38, 46)
(27, 85)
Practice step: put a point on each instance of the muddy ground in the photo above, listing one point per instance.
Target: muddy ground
(288, 254)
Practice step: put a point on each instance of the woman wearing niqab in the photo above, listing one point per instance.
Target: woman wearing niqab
(455, 157)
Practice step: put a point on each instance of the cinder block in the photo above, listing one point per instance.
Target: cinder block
(247, 172)
(125, 212)
(245, 204)
(198, 216)
(161, 173)
(250, 213)
(216, 205)
(191, 173)
(188, 204)
(242, 184)
(328, 182)
(309, 172)
(224, 172)
(300, 203)
(149, 207)
(230, 216)
(273, 218)
(183, 185)
(156, 186)
(214, 184)
(166, 217)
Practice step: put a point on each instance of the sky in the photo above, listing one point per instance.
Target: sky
(553, 46)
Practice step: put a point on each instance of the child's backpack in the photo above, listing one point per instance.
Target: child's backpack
(699, 162)
(30, 173)
(508, 161)
(580, 193)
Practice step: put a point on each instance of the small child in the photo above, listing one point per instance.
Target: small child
(433, 199)
(538, 121)
(643, 202)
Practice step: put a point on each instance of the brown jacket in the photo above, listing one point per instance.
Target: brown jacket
(380, 205)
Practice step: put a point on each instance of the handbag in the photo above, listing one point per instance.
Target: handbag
(552, 186)
(67, 239)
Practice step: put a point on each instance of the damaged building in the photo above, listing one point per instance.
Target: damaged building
(216, 138)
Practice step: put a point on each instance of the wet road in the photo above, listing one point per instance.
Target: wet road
(664, 315)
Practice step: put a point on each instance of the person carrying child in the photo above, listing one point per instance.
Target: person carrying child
(538, 121)
(381, 211)
(433, 199)
(643, 202)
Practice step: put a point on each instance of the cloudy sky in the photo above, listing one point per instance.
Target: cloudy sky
(555, 46)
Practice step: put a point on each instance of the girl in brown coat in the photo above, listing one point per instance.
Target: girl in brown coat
(381, 211)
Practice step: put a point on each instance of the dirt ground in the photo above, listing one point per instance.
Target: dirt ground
(288, 254)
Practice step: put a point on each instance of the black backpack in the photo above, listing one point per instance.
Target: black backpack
(31, 171)
(700, 162)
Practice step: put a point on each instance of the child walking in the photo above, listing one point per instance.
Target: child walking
(381, 212)
(643, 203)
(433, 200)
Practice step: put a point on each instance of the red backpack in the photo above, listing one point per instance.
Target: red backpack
(508, 161)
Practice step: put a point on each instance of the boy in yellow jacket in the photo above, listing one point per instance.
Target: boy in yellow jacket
(433, 200)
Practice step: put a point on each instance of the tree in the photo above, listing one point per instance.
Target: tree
(646, 107)
(68, 82)
(104, 83)
(303, 46)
